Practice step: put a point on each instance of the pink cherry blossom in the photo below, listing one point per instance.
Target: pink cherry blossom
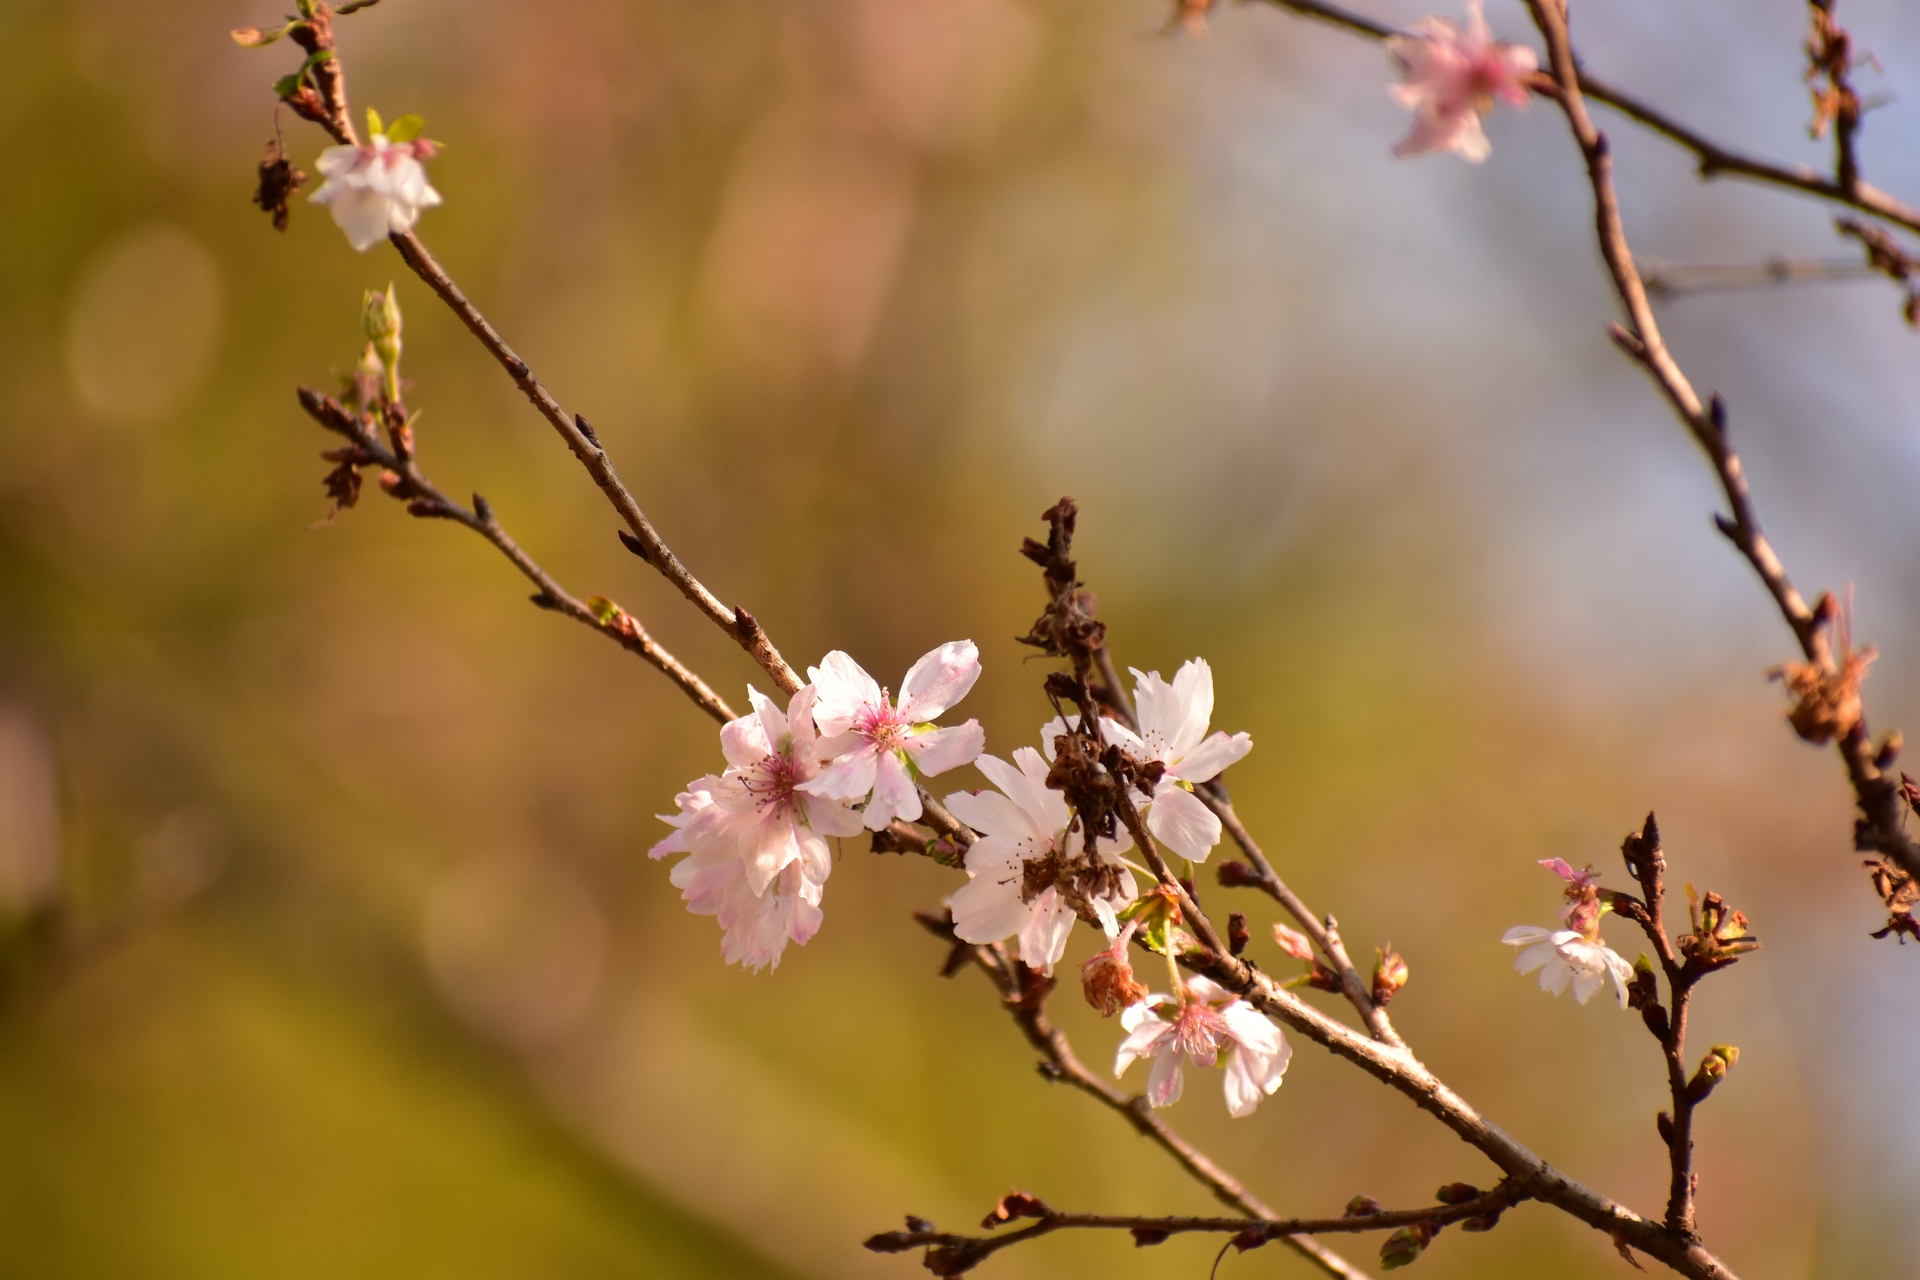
(1212, 1025)
(1452, 75)
(377, 189)
(881, 749)
(1173, 730)
(1028, 874)
(758, 853)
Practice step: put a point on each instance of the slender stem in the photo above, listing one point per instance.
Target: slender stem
(1325, 934)
(1404, 1073)
(579, 437)
(1028, 1011)
(1714, 160)
(1876, 795)
(418, 489)
(969, 1251)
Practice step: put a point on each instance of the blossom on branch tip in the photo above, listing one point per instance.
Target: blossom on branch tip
(1564, 956)
(1451, 76)
(879, 749)
(758, 853)
(1173, 730)
(1027, 875)
(377, 189)
(1212, 1026)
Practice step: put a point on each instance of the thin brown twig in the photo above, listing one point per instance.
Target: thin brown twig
(577, 433)
(1325, 934)
(1026, 1004)
(1876, 794)
(960, 1253)
(425, 500)
(1713, 159)
(1407, 1075)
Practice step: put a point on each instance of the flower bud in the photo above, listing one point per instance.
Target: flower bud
(1363, 1207)
(1457, 1193)
(380, 315)
(1389, 975)
(1720, 1059)
(1406, 1245)
(1292, 942)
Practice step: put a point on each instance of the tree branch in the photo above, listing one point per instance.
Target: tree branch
(425, 500)
(1714, 159)
(1023, 994)
(956, 1254)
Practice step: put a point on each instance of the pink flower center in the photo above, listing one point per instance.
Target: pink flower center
(882, 725)
(772, 782)
(1198, 1031)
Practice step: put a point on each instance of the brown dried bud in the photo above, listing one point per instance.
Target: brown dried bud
(278, 180)
(1457, 1193)
(1107, 979)
(1233, 875)
(1015, 1204)
(1389, 975)
(1826, 699)
(1237, 935)
(1144, 1236)
(1321, 978)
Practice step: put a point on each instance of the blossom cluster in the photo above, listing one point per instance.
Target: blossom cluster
(842, 757)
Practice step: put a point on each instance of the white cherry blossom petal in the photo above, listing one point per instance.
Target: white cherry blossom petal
(894, 793)
(938, 750)
(842, 688)
(1214, 754)
(1180, 821)
(939, 680)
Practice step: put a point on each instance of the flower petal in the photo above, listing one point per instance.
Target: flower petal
(894, 795)
(850, 777)
(842, 688)
(1204, 762)
(938, 750)
(1179, 821)
(939, 680)
(1163, 1081)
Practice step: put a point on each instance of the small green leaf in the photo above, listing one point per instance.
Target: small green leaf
(287, 86)
(254, 37)
(603, 609)
(373, 122)
(355, 7)
(406, 128)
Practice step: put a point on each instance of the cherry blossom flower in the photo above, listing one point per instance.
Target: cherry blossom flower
(1451, 77)
(1212, 1024)
(1573, 954)
(758, 853)
(1564, 956)
(1028, 874)
(376, 189)
(882, 749)
(1173, 730)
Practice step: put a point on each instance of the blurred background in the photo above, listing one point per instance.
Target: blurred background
(331, 947)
